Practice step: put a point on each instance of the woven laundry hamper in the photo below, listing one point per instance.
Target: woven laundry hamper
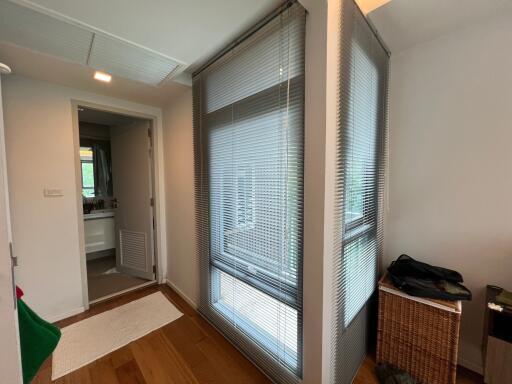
(418, 335)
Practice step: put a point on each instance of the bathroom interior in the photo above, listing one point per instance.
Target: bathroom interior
(115, 155)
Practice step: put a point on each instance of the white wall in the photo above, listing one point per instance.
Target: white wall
(451, 162)
(183, 264)
(40, 154)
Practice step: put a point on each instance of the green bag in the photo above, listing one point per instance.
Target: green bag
(38, 339)
(388, 374)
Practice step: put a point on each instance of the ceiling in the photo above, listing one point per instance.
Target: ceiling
(188, 31)
(191, 31)
(111, 119)
(405, 23)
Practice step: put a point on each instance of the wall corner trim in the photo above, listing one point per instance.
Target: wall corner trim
(181, 294)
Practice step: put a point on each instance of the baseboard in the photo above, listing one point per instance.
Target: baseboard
(470, 356)
(100, 254)
(124, 291)
(65, 315)
(472, 366)
(182, 295)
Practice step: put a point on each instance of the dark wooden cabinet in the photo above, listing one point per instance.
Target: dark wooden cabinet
(497, 342)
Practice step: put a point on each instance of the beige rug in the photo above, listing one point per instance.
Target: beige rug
(89, 339)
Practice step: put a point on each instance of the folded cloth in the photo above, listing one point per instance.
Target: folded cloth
(407, 266)
(388, 374)
(504, 298)
(423, 280)
(38, 339)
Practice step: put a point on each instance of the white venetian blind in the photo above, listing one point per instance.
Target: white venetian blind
(249, 149)
(361, 145)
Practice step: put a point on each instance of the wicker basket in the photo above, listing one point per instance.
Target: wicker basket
(418, 335)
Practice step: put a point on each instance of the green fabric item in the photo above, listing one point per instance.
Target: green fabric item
(388, 374)
(38, 339)
(505, 298)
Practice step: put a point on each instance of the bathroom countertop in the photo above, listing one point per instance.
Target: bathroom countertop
(99, 214)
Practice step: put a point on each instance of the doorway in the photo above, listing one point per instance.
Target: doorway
(116, 175)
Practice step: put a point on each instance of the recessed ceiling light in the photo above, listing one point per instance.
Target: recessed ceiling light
(102, 76)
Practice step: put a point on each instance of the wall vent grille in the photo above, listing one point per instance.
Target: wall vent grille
(133, 248)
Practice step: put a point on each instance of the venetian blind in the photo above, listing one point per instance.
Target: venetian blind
(249, 149)
(361, 144)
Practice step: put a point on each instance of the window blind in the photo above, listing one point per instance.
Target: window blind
(249, 150)
(361, 145)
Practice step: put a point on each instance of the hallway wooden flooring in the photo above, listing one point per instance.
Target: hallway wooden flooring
(188, 350)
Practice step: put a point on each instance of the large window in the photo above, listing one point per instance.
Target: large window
(360, 184)
(360, 146)
(249, 134)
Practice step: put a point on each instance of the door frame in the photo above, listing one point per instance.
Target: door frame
(159, 240)
(8, 292)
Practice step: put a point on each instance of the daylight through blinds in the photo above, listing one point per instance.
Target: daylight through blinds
(249, 150)
(361, 145)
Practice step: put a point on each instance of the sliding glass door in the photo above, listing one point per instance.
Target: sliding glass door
(249, 149)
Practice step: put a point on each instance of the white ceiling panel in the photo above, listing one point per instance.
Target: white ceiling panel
(23, 26)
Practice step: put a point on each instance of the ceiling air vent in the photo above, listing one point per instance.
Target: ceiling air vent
(123, 59)
(30, 29)
(60, 37)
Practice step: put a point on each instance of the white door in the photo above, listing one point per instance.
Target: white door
(131, 177)
(10, 363)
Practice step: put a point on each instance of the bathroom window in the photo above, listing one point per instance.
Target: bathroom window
(86, 160)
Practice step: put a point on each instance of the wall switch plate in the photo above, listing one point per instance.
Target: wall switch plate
(53, 192)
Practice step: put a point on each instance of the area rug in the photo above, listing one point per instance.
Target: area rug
(88, 340)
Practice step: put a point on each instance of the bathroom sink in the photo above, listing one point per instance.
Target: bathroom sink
(99, 214)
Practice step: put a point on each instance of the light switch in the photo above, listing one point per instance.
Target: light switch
(53, 192)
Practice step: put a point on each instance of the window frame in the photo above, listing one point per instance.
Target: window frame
(364, 225)
(208, 116)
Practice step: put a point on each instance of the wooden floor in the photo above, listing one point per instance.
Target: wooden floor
(188, 350)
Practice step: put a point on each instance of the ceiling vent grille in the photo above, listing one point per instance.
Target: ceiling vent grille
(23, 26)
(127, 60)
(44, 33)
